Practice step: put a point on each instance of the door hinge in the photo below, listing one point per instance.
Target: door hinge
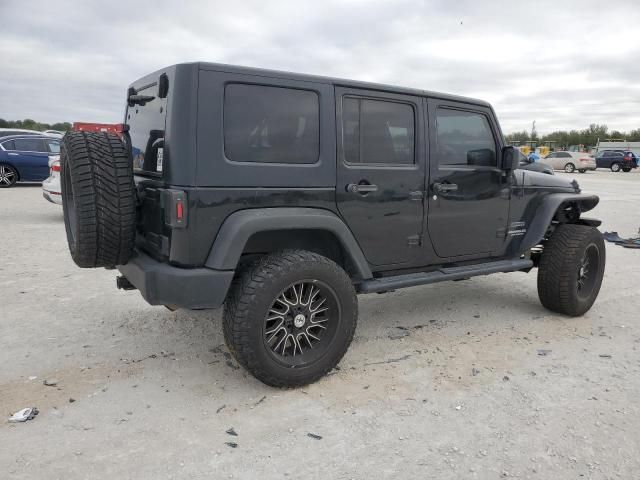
(416, 195)
(414, 240)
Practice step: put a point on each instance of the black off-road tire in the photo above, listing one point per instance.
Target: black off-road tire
(561, 267)
(98, 199)
(253, 293)
(626, 169)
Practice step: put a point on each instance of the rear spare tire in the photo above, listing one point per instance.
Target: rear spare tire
(98, 199)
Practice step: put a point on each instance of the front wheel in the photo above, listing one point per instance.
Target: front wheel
(290, 317)
(571, 269)
(569, 168)
(615, 167)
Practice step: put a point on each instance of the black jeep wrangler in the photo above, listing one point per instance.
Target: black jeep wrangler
(283, 196)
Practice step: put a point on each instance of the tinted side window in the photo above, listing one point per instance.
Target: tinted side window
(378, 131)
(564, 155)
(8, 145)
(271, 124)
(29, 145)
(464, 138)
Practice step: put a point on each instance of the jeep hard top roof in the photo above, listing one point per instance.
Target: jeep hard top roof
(261, 72)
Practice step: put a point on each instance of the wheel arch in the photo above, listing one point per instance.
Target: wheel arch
(267, 229)
(556, 207)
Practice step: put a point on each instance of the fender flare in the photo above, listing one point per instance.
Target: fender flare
(547, 210)
(239, 226)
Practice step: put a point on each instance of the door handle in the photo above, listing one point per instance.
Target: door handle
(362, 188)
(444, 187)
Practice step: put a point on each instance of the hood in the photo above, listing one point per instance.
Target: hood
(530, 179)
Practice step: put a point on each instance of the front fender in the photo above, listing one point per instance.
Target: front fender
(547, 210)
(239, 226)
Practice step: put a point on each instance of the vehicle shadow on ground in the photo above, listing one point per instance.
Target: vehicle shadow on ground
(454, 305)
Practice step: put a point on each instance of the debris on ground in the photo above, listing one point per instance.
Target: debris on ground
(23, 415)
(71, 400)
(604, 355)
(221, 408)
(232, 432)
(261, 400)
(391, 360)
(313, 435)
(543, 353)
(475, 371)
(50, 382)
(231, 444)
(613, 237)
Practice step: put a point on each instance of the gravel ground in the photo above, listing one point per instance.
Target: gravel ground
(458, 380)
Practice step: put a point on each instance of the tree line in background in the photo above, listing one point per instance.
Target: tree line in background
(564, 139)
(29, 124)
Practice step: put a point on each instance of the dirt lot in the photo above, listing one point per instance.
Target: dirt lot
(471, 379)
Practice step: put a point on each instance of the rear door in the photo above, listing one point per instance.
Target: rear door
(468, 192)
(380, 173)
(31, 157)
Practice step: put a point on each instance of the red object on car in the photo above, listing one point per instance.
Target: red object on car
(117, 128)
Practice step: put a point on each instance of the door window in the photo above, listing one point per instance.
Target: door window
(464, 138)
(29, 145)
(378, 131)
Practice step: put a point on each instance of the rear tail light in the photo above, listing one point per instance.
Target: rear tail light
(175, 208)
(55, 167)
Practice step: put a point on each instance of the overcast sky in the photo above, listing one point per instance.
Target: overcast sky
(563, 63)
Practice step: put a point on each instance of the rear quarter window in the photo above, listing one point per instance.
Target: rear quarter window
(264, 124)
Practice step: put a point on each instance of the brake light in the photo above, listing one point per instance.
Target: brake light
(55, 167)
(180, 210)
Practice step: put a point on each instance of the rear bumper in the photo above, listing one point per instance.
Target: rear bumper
(163, 284)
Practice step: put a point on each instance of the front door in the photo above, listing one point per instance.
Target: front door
(380, 173)
(468, 194)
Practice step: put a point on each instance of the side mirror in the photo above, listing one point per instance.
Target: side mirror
(510, 159)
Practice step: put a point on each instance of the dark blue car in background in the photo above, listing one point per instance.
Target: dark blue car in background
(25, 158)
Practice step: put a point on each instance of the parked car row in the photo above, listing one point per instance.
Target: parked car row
(25, 158)
(615, 160)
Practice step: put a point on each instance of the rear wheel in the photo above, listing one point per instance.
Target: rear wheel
(290, 317)
(582, 170)
(615, 167)
(8, 176)
(569, 168)
(626, 169)
(571, 269)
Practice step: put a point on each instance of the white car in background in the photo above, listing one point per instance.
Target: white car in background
(51, 189)
(570, 161)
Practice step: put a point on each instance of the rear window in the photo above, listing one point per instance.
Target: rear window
(271, 124)
(146, 130)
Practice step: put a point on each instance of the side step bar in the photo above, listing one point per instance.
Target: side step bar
(442, 275)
